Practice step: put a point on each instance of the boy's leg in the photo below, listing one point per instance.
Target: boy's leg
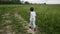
(34, 25)
(30, 24)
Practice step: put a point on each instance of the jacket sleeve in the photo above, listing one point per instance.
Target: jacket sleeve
(35, 13)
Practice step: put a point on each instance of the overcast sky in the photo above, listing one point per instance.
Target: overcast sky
(46, 1)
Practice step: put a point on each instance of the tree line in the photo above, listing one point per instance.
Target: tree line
(10, 2)
(14, 2)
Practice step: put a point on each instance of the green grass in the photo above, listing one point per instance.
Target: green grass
(47, 19)
(16, 26)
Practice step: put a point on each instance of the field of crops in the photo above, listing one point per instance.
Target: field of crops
(47, 19)
(9, 22)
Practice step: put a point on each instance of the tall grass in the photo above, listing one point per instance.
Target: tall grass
(47, 19)
(16, 25)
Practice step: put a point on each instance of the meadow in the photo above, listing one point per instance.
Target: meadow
(47, 19)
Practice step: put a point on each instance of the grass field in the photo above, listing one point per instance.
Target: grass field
(47, 19)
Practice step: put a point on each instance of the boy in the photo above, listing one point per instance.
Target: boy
(32, 18)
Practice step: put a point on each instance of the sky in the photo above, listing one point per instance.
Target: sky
(44, 1)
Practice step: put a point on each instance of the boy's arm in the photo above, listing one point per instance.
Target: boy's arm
(35, 13)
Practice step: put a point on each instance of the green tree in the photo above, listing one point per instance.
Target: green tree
(27, 2)
(10, 2)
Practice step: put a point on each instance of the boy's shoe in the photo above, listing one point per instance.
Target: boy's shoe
(30, 27)
(34, 29)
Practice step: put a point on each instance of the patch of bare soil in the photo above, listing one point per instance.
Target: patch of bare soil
(25, 24)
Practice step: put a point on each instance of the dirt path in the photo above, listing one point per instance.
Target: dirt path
(5, 27)
(8, 29)
(25, 24)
